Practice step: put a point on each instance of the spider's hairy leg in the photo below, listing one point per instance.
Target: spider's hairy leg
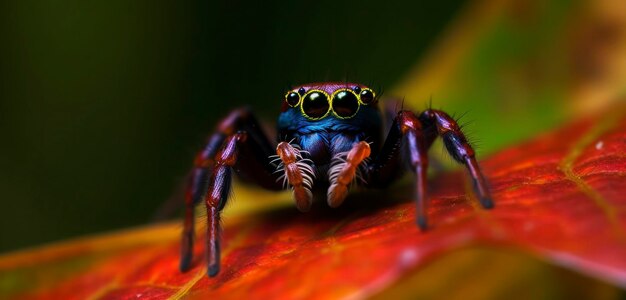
(343, 171)
(238, 144)
(298, 174)
(215, 198)
(459, 148)
(417, 147)
(197, 184)
(405, 134)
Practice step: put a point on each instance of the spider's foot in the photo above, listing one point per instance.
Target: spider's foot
(422, 222)
(213, 269)
(186, 253)
(486, 202)
(185, 263)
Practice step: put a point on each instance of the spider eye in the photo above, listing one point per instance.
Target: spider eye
(315, 105)
(357, 89)
(345, 104)
(367, 96)
(292, 99)
(301, 91)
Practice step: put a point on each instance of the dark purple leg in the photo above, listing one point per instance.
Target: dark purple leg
(186, 249)
(459, 149)
(211, 177)
(196, 187)
(417, 148)
(388, 164)
(409, 139)
(217, 195)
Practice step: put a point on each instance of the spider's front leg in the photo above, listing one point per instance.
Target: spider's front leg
(238, 143)
(415, 135)
(217, 195)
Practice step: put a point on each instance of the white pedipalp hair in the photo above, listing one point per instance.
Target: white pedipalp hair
(305, 166)
(362, 170)
(339, 162)
(336, 165)
(274, 159)
(308, 174)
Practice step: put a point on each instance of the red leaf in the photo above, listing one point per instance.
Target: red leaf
(559, 197)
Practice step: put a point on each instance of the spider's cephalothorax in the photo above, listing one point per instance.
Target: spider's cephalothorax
(329, 136)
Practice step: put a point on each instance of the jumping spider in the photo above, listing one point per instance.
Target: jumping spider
(329, 134)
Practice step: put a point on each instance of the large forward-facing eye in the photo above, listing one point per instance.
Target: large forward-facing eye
(315, 105)
(345, 104)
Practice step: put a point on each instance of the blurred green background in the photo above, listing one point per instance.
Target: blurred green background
(103, 104)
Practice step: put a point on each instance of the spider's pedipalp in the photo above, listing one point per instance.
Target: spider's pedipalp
(344, 170)
(298, 174)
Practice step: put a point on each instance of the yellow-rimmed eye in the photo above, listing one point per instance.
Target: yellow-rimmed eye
(315, 104)
(367, 96)
(345, 103)
(292, 98)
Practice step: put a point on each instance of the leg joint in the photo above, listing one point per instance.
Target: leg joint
(408, 121)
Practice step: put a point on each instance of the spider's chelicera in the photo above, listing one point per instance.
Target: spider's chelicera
(329, 136)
